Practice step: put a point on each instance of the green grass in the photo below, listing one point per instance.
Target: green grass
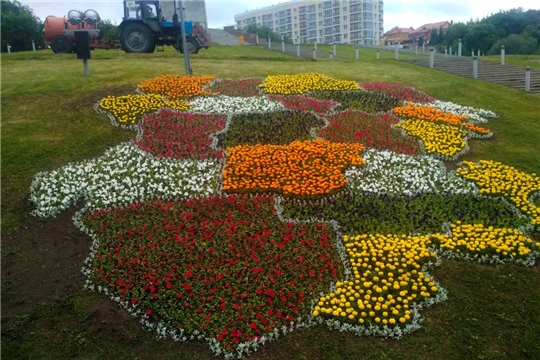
(518, 60)
(48, 121)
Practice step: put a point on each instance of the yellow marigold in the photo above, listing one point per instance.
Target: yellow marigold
(302, 83)
(482, 239)
(129, 109)
(440, 139)
(387, 279)
(429, 113)
(494, 178)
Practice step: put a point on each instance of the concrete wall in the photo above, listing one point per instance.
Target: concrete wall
(195, 10)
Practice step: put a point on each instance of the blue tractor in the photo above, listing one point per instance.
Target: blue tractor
(147, 24)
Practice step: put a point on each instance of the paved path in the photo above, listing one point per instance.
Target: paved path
(507, 75)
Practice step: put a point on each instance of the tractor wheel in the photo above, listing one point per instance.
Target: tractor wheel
(137, 38)
(192, 46)
(61, 44)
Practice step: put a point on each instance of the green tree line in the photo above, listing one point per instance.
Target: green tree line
(516, 29)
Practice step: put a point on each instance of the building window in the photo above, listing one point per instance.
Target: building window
(344, 8)
(345, 18)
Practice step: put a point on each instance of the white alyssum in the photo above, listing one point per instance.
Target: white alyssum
(391, 173)
(224, 104)
(476, 115)
(123, 175)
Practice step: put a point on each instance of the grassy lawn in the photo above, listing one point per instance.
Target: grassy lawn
(48, 121)
(518, 60)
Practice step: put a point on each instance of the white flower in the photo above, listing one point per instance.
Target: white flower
(387, 172)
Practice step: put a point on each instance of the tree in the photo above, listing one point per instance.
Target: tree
(482, 36)
(19, 27)
(265, 32)
(515, 44)
(107, 29)
(433, 37)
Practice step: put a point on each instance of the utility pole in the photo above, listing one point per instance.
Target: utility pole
(184, 41)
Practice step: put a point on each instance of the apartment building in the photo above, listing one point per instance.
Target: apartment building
(333, 21)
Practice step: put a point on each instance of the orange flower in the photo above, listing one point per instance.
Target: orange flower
(176, 86)
(429, 113)
(301, 168)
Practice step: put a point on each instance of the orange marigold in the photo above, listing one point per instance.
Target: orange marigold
(176, 86)
(430, 113)
(300, 168)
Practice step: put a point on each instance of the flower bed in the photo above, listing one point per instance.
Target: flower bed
(240, 87)
(176, 86)
(301, 168)
(424, 213)
(228, 104)
(390, 173)
(367, 101)
(305, 103)
(224, 269)
(494, 178)
(175, 246)
(123, 175)
(280, 127)
(129, 109)
(444, 141)
(303, 83)
(429, 113)
(388, 284)
(399, 91)
(475, 115)
(172, 134)
(374, 131)
(487, 244)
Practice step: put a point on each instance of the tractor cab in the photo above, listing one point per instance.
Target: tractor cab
(150, 23)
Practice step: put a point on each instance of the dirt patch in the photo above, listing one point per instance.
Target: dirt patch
(41, 262)
(87, 101)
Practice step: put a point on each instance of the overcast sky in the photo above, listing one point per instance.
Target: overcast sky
(402, 13)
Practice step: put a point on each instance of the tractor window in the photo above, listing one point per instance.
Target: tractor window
(132, 10)
(150, 11)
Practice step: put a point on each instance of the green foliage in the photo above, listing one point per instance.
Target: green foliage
(482, 36)
(370, 102)
(421, 214)
(515, 44)
(485, 33)
(265, 32)
(277, 128)
(454, 33)
(19, 27)
(107, 29)
(434, 37)
(514, 21)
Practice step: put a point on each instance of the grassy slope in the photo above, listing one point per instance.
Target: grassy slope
(47, 121)
(519, 60)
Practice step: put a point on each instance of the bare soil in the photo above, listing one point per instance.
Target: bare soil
(41, 261)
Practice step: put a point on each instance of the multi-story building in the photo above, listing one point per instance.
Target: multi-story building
(331, 21)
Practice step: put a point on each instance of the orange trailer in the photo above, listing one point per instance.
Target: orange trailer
(59, 32)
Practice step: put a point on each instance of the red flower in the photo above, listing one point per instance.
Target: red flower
(148, 312)
(253, 325)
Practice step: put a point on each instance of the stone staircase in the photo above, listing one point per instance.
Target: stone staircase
(506, 75)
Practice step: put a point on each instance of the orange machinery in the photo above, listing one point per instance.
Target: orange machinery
(59, 32)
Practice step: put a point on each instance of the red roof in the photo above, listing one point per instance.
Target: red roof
(399, 30)
(432, 26)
